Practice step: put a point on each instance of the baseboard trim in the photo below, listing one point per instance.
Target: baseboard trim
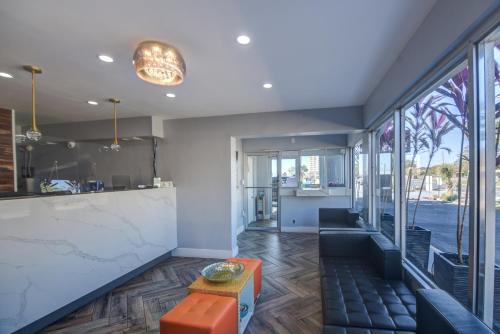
(299, 229)
(240, 229)
(82, 301)
(204, 253)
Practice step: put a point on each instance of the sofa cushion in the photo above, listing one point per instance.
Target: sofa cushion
(355, 330)
(355, 296)
(330, 266)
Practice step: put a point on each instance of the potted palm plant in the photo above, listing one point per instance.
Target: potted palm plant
(451, 269)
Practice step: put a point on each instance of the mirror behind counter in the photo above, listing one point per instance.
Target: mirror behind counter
(73, 158)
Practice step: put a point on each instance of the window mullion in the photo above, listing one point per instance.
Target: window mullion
(397, 179)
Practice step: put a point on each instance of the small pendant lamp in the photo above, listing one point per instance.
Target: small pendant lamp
(115, 146)
(33, 133)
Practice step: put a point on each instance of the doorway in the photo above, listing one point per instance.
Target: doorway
(262, 192)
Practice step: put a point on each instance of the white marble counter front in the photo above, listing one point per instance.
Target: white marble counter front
(54, 250)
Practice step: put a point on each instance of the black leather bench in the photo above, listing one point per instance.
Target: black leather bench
(338, 218)
(363, 292)
(362, 287)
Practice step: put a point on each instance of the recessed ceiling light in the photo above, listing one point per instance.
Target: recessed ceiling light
(171, 95)
(243, 39)
(105, 58)
(6, 75)
(267, 85)
(94, 103)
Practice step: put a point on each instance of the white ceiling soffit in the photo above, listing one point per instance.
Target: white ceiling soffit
(317, 54)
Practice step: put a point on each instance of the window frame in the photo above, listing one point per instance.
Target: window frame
(323, 170)
(376, 163)
(297, 163)
(464, 49)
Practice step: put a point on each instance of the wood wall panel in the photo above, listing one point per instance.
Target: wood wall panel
(7, 174)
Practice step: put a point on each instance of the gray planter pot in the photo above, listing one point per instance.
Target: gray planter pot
(452, 277)
(387, 225)
(418, 243)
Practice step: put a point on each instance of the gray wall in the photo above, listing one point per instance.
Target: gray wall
(103, 129)
(304, 210)
(196, 156)
(236, 186)
(301, 143)
(442, 27)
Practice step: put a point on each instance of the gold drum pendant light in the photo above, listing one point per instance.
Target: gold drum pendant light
(115, 146)
(159, 63)
(33, 133)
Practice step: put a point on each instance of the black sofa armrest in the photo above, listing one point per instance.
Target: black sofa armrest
(439, 313)
(344, 243)
(385, 256)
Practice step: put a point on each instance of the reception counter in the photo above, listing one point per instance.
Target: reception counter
(56, 250)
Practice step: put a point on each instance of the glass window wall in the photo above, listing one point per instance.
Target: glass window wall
(437, 187)
(360, 178)
(384, 178)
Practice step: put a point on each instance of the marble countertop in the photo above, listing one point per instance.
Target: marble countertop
(39, 195)
(56, 249)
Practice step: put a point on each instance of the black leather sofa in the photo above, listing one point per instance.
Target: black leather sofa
(338, 218)
(363, 291)
(362, 287)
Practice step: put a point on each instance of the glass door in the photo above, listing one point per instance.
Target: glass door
(262, 191)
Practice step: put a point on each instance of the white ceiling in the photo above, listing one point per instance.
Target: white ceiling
(317, 54)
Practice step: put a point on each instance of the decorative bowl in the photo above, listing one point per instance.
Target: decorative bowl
(222, 272)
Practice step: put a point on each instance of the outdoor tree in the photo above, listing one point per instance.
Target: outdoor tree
(416, 136)
(386, 146)
(417, 139)
(446, 173)
(437, 126)
(454, 108)
(497, 107)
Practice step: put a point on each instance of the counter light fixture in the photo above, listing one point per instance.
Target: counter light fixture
(115, 146)
(33, 133)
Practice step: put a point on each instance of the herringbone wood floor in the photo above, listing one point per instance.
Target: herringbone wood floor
(290, 300)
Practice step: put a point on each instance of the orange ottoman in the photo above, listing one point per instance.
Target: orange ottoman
(256, 266)
(202, 313)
